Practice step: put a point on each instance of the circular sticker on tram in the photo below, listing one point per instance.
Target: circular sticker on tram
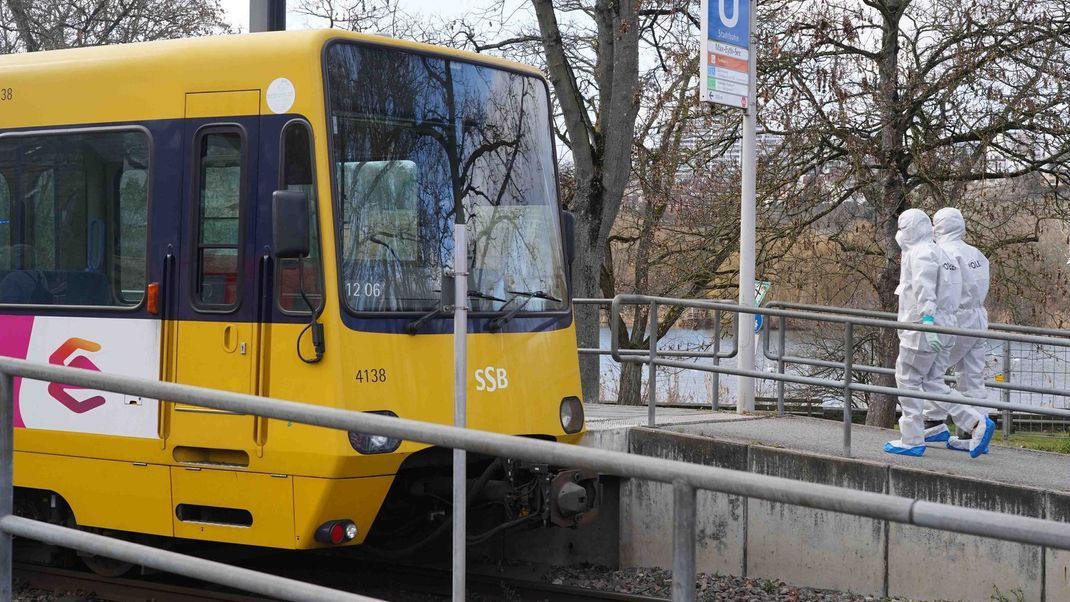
(280, 95)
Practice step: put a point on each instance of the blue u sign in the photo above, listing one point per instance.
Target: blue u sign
(729, 21)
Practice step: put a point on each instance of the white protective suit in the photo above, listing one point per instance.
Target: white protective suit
(930, 284)
(968, 353)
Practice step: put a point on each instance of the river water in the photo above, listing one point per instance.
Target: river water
(1040, 366)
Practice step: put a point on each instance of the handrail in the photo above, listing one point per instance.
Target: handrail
(717, 355)
(1005, 386)
(850, 319)
(872, 313)
(685, 478)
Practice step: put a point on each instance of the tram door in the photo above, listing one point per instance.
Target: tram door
(217, 340)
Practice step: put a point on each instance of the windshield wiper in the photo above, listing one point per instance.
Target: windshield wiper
(415, 325)
(497, 323)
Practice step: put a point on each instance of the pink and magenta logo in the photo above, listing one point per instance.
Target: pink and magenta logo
(62, 356)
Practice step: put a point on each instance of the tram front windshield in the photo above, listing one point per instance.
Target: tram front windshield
(413, 138)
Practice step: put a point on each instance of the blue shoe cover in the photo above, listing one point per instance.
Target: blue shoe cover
(982, 448)
(916, 451)
(965, 443)
(938, 437)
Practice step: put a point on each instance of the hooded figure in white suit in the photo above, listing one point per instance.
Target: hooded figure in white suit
(967, 355)
(930, 287)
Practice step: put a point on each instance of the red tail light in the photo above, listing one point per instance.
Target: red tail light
(336, 532)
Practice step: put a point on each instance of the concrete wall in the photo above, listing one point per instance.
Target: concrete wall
(646, 508)
(836, 551)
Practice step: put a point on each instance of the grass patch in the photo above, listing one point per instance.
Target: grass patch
(1059, 443)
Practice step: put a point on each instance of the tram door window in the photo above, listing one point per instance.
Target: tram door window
(300, 279)
(219, 204)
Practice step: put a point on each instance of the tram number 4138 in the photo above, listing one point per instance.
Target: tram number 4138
(7, 94)
(371, 375)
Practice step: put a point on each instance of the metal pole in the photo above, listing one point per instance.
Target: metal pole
(744, 332)
(780, 367)
(683, 542)
(460, 402)
(267, 15)
(652, 368)
(7, 460)
(848, 367)
(716, 360)
(1005, 394)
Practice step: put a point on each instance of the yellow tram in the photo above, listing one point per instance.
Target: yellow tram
(138, 185)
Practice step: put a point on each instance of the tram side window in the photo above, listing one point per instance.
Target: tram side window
(219, 212)
(5, 224)
(298, 174)
(70, 232)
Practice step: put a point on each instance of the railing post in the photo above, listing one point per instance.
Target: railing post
(683, 542)
(652, 368)
(716, 359)
(780, 366)
(7, 460)
(460, 410)
(1005, 394)
(848, 367)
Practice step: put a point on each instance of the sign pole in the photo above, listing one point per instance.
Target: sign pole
(747, 253)
(727, 77)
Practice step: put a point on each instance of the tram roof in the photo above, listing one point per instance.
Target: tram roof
(149, 80)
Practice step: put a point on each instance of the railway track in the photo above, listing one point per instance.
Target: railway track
(119, 589)
(416, 584)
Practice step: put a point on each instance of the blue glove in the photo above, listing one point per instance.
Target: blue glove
(932, 338)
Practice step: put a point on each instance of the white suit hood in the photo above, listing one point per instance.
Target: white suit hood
(950, 229)
(949, 225)
(914, 228)
(930, 284)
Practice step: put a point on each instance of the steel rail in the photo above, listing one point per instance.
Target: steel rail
(872, 313)
(856, 386)
(835, 319)
(49, 577)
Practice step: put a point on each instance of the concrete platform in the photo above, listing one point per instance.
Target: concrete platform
(603, 416)
(1010, 465)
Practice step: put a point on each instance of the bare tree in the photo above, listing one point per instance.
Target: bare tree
(30, 26)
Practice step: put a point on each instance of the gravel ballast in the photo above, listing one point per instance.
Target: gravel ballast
(658, 583)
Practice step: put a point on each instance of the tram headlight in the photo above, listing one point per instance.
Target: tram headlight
(374, 444)
(571, 415)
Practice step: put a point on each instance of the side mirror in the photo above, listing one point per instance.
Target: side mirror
(568, 231)
(290, 213)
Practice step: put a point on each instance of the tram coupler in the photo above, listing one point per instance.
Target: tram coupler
(575, 496)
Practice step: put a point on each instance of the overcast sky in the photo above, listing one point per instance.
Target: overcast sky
(238, 12)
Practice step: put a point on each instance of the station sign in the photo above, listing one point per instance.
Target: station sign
(724, 63)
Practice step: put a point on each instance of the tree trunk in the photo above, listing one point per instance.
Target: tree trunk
(631, 385)
(586, 273)
(894, 163)
(601, 150)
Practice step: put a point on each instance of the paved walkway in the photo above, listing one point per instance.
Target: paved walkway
(604, 416)
(1003, 464)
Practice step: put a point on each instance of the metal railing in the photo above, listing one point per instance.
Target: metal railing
(716, 355)
(849, 319)
(1005, 386)
(685, 479)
